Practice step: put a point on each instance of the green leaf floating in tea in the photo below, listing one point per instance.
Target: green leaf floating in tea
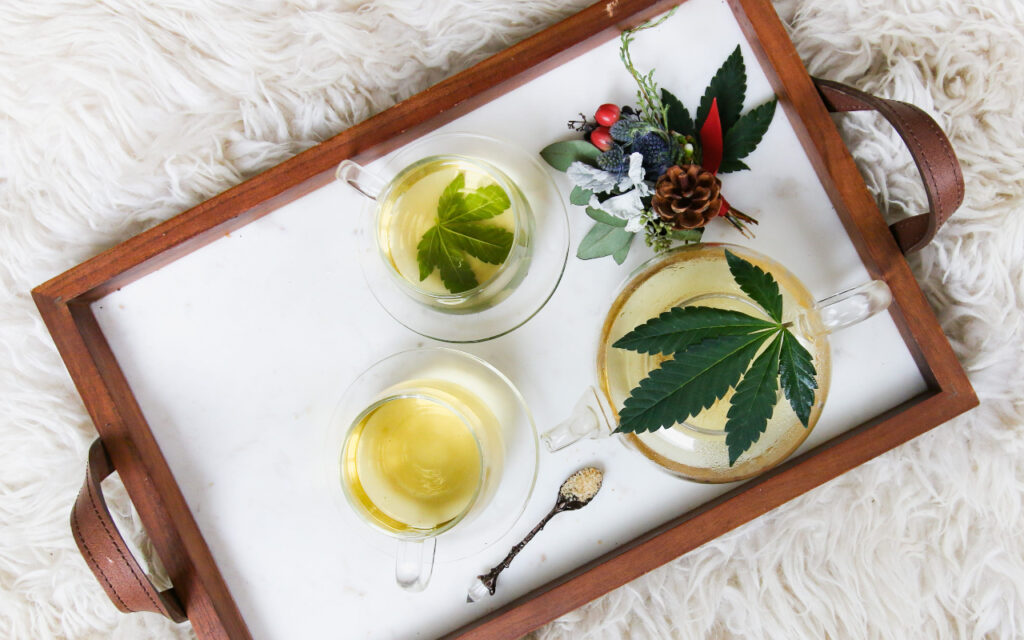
(459, 231)
(714, 350)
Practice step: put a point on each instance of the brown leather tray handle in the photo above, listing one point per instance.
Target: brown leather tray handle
(930, 149)
(105, 551)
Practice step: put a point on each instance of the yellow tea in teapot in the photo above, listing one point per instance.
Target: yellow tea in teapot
(447, 225)
(699, 276)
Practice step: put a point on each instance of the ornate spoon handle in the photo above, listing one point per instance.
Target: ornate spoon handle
(489, 580)
(575, 493)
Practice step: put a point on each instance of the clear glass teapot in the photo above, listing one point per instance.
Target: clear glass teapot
(699, 275)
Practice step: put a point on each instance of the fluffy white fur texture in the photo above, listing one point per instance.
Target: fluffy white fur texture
(117, 114)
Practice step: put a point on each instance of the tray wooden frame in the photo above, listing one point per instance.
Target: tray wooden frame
(64, 303)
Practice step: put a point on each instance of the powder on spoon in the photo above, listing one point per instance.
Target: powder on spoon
(582, 485)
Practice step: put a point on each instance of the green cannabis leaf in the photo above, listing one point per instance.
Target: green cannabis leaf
(458, 231)
(689, 383)
(757, 283)
(679, 119)
(680, 327)
(796, 371)
(745, 135)
(753, 403)
(729, 85)
(714, 350)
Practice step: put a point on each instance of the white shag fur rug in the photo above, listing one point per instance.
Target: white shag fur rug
(118, 114)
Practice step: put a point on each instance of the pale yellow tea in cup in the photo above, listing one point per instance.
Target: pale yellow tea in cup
(415, 462)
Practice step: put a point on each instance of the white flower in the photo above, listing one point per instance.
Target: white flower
(636, 223)
(591, 178)
(634, 179)
(626, 206)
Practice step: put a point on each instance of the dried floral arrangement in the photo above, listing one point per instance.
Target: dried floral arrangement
(653, 167)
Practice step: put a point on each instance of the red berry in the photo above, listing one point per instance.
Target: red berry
(607, 114)
(601, 138)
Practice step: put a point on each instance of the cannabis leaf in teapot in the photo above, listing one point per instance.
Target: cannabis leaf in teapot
(714, 350)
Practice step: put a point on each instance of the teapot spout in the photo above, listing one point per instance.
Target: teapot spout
(590, 418)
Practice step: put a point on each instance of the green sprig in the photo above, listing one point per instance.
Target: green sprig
(649, 99)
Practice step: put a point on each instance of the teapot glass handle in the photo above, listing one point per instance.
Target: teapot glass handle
(850, 307)
(367, 183)
(414, 562)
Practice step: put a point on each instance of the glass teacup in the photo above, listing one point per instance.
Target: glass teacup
(435, 453)
(410, 204)
(483, 195)
(698, 275)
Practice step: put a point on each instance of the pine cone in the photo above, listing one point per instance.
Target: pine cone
(688, 196)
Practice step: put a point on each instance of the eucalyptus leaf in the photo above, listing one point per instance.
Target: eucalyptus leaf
(620, 256)
(580, 196)
(561, 154)
(599, 215)
(603, 240)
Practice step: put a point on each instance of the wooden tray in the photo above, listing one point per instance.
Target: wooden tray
(73, 307)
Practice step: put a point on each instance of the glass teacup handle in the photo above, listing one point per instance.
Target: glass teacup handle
(849, 307)
(414, 562)
(365, 182)
(590, 418)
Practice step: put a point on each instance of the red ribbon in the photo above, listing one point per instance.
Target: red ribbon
(711, 143)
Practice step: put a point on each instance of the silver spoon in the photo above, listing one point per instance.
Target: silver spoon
(575, 493)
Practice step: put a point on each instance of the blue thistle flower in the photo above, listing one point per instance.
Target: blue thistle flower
(624, 129)
(656, 153)
(614, 160)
